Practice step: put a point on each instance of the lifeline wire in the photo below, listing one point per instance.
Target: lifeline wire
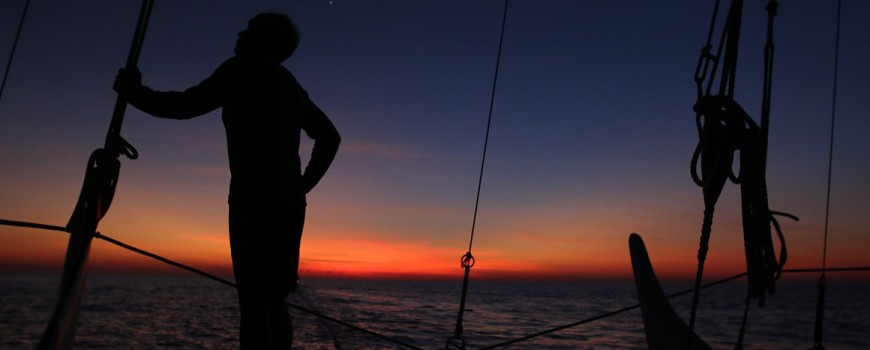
(198, 272)
(667, 297)
(114, 128)
(314, 313)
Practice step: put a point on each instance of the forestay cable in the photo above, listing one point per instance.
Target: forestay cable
(467, 260)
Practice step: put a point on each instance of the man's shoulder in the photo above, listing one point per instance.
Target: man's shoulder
(237, 63)
(230, 63)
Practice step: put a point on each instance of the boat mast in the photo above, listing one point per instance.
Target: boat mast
(98, 190)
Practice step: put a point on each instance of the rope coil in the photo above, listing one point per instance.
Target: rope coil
(724, 129)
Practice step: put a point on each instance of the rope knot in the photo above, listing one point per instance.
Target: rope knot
(467, 261)
(455, 342)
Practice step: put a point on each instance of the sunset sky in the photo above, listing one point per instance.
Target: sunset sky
(592, 134)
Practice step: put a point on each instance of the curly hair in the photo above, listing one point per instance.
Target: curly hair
(272, 34)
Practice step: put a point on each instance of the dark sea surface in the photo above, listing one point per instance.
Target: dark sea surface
(142, 312)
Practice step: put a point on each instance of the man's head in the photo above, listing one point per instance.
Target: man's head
(270, 35)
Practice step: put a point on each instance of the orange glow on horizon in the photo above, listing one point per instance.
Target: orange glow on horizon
(335, 255)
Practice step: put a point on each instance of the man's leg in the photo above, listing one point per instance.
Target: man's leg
(286, 265)
(254, 313)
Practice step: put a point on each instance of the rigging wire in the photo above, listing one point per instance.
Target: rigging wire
(467, 260)
(198, 272)
(14, 46)
(488, 123)
(131, 248)
(716, 170)
(831, 141)
(95, 198)
(822, 285)
(489, 120)
(667, 297)
(727, 129)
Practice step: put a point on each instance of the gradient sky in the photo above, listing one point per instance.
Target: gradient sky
(591, 138)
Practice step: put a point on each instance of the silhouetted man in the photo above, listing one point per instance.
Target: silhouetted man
(264, 112)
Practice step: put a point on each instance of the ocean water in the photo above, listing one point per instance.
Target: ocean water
(143, 312)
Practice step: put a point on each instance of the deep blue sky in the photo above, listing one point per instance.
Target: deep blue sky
(591, 137)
